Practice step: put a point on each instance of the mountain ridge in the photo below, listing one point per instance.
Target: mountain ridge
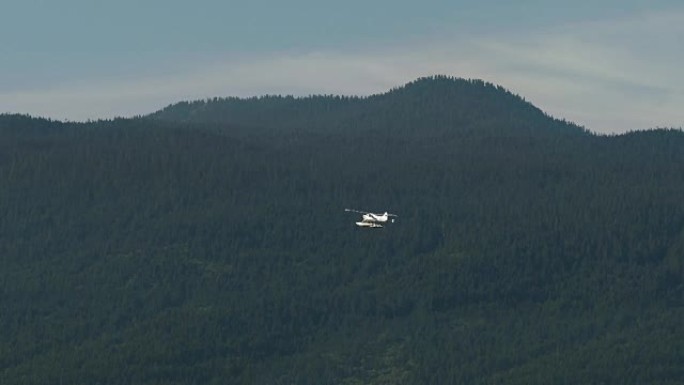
(448, 103)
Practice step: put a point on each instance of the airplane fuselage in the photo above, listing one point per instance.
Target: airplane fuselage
(370, 217)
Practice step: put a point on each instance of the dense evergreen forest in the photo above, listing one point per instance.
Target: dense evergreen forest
(207, 243)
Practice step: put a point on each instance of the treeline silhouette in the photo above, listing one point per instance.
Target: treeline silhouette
(208, 243)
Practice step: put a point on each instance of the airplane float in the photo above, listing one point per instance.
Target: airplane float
(371, 220)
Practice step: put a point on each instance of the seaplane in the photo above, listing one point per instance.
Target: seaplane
(372, 220)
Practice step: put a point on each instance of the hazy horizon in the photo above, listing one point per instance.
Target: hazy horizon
(610, 67)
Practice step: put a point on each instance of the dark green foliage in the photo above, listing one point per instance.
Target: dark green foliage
(434, 106)
(208, 243)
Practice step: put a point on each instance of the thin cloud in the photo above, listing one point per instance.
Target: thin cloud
(610, 76)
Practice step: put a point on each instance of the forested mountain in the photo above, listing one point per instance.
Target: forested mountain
(428, 106)
(208, 243)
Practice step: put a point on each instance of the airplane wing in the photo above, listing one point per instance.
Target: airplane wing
(357, 211)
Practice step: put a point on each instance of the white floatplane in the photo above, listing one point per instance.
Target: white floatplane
(372, 220)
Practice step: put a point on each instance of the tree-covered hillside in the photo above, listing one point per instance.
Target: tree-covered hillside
(428, 106)
(208, 243)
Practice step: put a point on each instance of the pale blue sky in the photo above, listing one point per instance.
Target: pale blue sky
(611, 65)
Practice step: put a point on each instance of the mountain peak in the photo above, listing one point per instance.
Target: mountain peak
(429, 104)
